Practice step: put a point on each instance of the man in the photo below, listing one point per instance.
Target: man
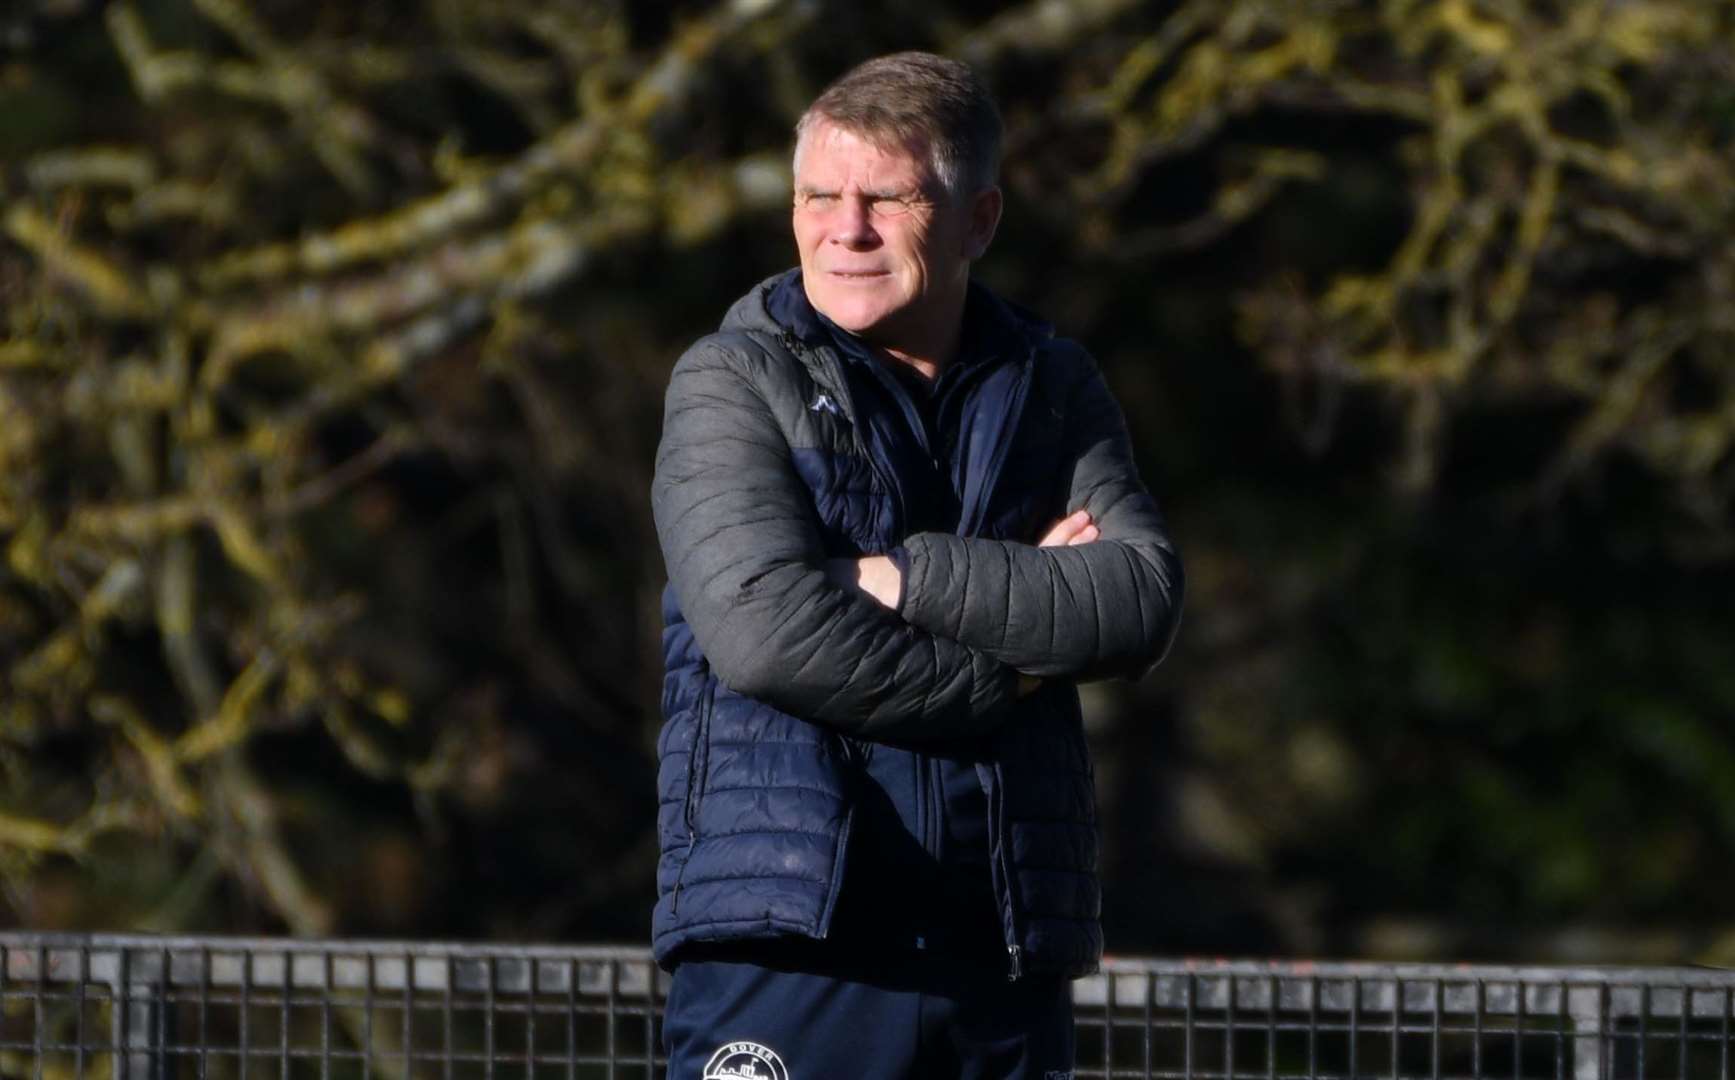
(901, 521)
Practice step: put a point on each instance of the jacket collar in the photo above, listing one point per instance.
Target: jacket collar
(994, 329)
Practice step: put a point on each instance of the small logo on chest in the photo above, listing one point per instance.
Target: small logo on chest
(745, 1061)
(822, 403)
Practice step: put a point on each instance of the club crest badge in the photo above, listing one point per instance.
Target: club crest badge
(745, 1061)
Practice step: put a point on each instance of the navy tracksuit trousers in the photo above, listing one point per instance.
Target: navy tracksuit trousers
(918, 1018)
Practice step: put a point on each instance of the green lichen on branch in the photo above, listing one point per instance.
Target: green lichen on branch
(172, 380)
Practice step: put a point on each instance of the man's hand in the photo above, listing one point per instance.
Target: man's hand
(876, 575)
(1075, 528)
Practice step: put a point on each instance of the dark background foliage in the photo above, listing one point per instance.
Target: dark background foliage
(330, 383)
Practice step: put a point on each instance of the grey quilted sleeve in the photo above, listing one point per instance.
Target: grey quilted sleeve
(1110, 607)
(740, 539)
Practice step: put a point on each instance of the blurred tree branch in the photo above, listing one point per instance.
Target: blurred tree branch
(335, 335)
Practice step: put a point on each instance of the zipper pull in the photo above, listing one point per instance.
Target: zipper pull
(1017, 955)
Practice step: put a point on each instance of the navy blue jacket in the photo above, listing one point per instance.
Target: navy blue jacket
(778, 682)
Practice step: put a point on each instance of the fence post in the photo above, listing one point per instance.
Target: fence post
(1589, 1042)
(141, 1020)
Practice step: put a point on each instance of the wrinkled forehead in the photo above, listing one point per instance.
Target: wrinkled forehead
(866, 147)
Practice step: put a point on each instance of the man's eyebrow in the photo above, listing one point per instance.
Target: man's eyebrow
(909, 194)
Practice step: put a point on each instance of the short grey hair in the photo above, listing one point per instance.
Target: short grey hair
(914, 99)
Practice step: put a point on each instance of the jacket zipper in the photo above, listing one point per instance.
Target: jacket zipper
(924, 797)
(936, 803)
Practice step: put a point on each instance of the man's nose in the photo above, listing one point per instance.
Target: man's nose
(853, 224)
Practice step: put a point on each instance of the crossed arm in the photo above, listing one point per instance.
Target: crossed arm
(880, 578)
(976, 621)
(1099, 595)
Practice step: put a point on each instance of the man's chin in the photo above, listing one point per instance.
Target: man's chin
(858, 321)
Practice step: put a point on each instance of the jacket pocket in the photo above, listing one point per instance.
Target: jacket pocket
(698, 757)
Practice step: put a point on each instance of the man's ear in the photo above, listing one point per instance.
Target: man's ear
(985, 207)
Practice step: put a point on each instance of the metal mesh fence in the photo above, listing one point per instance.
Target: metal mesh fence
(131, 1008)
(1404, 1022)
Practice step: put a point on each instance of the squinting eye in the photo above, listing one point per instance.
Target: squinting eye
(817, 200)
(890, 207)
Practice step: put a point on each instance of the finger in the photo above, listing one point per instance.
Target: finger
(1065, 529)
(1071, 526)
(1085, 536)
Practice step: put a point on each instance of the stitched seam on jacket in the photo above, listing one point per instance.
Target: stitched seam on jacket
(768, 923)
(775, 787)
(767, 742)
(753, 877)
(763, 832)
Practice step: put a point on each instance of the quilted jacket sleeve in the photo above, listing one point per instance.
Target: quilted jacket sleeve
(1110, 607)
(743, 551)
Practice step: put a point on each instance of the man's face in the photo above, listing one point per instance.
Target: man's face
(885, 251)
